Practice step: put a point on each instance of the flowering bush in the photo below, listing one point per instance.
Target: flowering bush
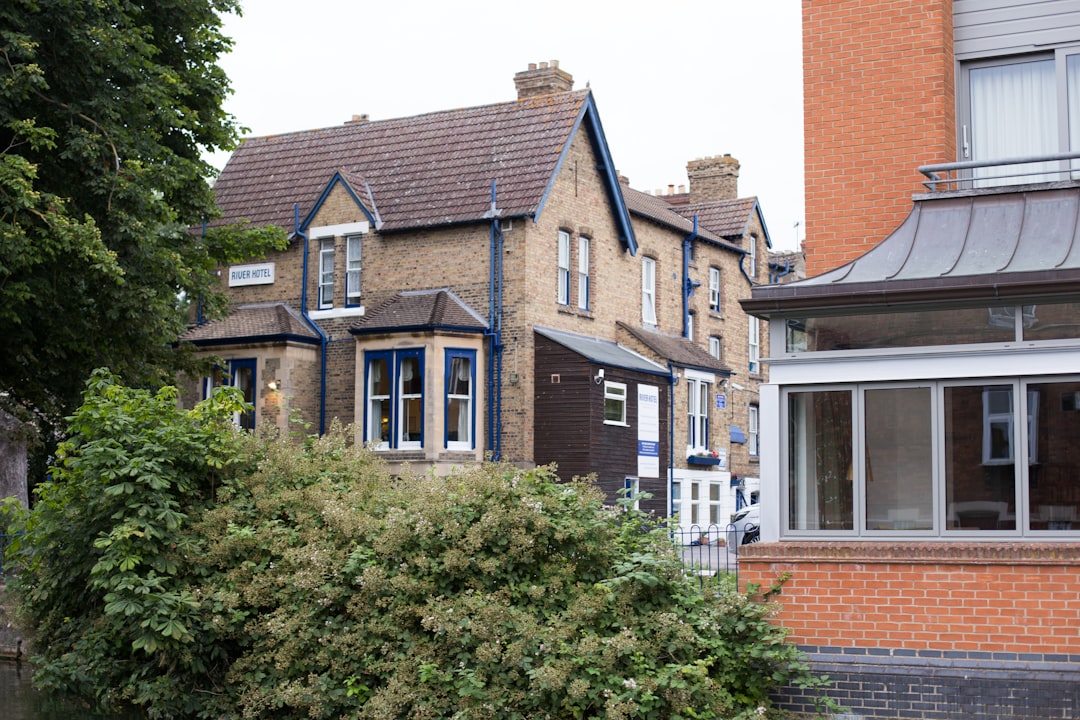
(309, 582)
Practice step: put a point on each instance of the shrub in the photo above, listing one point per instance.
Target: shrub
(183, 567)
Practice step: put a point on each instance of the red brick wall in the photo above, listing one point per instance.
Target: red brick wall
(878, 103)
(981, 597)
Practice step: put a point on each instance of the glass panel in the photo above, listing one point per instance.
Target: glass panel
(921, 328)
(1054, 456)
(1013, 114)
(819, 461)
(899, 459)
(1072, 74)
(378, 401)
(243, 379)
(980, 487)
(1060, 321)
(411, 416)
(379, 417)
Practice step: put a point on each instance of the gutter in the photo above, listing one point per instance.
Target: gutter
(323, 340)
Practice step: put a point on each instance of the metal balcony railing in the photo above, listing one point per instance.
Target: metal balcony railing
(978, 174)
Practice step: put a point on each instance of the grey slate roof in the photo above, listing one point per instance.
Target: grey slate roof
(420, 310)
(1020, 243)
(423, 171)
(603, 352)
(261, 322)
(676, 349)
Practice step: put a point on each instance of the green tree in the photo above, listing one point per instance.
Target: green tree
(107, 109)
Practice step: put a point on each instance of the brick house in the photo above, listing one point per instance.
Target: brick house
(480, 282)
(921, 426)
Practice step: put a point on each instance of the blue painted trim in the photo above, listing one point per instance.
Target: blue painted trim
(591, 119)
(337, 178)
(399, 356)
(369, 356)
(323, 340)
(688, 284)
(450, 354)
(393, 360)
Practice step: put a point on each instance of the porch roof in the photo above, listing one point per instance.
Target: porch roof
(1013, 244)
(603, 352)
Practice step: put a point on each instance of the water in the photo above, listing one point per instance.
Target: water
(20, 701)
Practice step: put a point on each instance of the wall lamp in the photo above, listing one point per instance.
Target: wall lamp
(272, 385)
(599, 376)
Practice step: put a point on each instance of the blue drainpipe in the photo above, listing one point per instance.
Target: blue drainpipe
(494, 332)
(688, 284)
(672, 380)
(304, 312)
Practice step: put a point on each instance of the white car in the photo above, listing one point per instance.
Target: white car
(745, 526)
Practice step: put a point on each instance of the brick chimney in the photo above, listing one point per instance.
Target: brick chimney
(543, 80)
(713, 179)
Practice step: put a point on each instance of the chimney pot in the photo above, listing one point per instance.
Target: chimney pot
(543, 79)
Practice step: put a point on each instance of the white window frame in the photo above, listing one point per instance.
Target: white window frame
(698, 390)
(714, 289)
(564, 268)
(752, 254)
(690, 326)
(615, 392)
(326, 273)
(469, 401)
(990, 419)
(583, 273)
(716, 347)
(397, 400)
(752, 420)
(753, 344)
(353, 255)
(648, 291)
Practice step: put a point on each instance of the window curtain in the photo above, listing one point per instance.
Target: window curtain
(1013, 114)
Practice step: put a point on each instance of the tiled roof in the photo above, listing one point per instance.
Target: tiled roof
(420, 310)
(423, 171)
(263, 322)
(727, 218)
(676, 349)
(658, 210)
(603, 352)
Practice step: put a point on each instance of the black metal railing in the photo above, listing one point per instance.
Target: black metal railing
(713, 550)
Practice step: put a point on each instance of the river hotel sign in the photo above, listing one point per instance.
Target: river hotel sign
(257, 274)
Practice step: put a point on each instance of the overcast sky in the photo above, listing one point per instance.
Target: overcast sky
(673, 81)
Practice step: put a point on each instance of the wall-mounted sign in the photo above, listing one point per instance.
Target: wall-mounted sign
(648, 431)
(257, 274)
(721, 401)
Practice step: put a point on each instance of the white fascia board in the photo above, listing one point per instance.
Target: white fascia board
(342, 230)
